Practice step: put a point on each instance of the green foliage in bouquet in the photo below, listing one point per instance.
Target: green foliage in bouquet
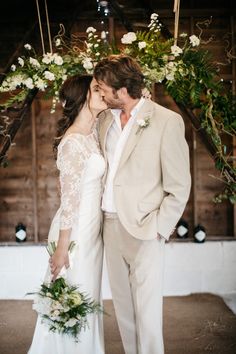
(63, 308)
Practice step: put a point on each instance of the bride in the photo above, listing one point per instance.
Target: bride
(81, 167)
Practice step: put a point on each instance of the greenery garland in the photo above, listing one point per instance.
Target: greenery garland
(186, 71)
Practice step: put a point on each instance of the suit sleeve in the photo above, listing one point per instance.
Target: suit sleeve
(175, 176)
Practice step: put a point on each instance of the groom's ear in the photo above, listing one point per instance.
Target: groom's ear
(122, 92)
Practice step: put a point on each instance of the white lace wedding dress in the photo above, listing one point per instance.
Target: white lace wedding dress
(81, 168)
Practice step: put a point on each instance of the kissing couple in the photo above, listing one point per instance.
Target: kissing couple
(123, 165)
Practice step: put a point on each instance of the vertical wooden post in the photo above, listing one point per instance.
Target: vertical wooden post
(194, 179)
(34, 173)
(111, 29)
(194, 159)
(232, 25)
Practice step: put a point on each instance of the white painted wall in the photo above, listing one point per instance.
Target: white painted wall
(189, 268)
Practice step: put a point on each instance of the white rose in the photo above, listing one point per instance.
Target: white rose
(103, 35)
(56, 313)
(4, 87)
(40, 84)
(91, 29)
(194, 40)
(34, 62)
(183, 35)
(12, 82)
(71, 322)
(58, 59)
(49, 76)
(176, 50)
(56, 305)
(154, 16)
(58, 42)
(27, 46)
(47, 58)
(13, 67)
(87, 64)
(21, 61)
(169, 65)
(29, 83)
(128, 38)
(16, 81)
(170, 76)
(142, 45)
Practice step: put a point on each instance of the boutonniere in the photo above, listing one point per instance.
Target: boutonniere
(142, 123)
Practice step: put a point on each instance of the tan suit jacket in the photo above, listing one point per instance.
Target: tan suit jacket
(152, 182)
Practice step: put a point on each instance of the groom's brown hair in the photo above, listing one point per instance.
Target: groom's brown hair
(119, 71)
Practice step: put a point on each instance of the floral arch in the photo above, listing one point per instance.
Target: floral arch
(186, 70)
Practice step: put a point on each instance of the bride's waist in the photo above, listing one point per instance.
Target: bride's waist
(91, 192)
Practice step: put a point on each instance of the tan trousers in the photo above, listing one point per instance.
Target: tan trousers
(135, 269)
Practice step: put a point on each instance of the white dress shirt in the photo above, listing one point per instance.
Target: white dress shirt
(115, 142)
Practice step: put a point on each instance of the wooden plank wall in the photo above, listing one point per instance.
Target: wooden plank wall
(47, 177)
(16, 186)
(28, 187)
(31, 178)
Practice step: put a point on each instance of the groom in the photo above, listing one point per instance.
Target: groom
(146, 187)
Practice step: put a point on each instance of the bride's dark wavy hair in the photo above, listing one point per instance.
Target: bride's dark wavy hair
(73, 95)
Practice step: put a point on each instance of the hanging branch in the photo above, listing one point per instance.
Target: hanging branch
(12, 128)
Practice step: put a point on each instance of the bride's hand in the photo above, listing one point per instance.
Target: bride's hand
(59, 259)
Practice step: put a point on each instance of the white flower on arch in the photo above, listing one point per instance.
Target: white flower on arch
(27, 46)
(21, 61)
(194, 40)
(49, 76)
(91, 29)
(128, 38)
(142, 45)
(176, 50)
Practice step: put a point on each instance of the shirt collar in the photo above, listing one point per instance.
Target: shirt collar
(116, 112)
(137, 107)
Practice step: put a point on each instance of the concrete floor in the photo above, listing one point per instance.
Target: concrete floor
(195, 324)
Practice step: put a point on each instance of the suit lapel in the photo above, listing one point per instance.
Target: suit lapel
(135, 133)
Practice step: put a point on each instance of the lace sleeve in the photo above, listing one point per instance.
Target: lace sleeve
(70, 162)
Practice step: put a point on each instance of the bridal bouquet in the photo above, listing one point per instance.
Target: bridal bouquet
(62, 307)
